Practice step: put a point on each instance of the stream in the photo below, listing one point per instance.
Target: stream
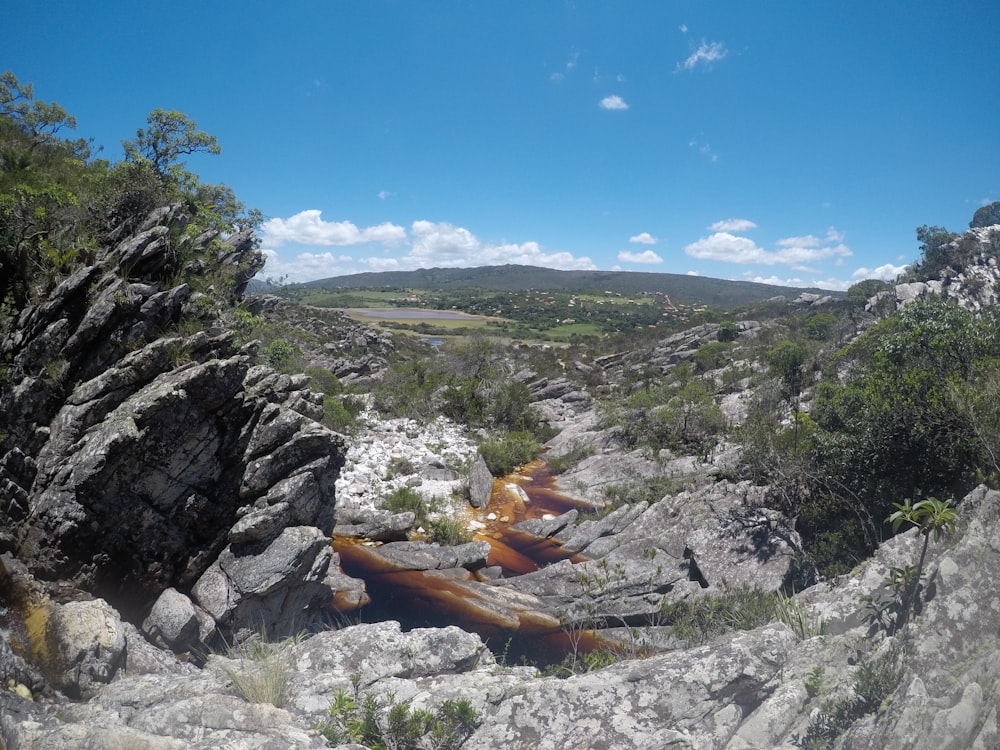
(437, 598)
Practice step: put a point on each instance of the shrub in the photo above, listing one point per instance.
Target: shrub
(874, 680)
(379, 722)
(744, 607)
(504, 455)
(279, 354)
(646, 490)
(565, 462)
(263, 671)
(449, 532)
(406, 499)
(341, 414)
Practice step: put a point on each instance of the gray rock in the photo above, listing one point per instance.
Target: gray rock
(480, 483)
(177, 624)
(423, 556)
(276, 588)
(375, 525)
(85, 642)
(693, 699)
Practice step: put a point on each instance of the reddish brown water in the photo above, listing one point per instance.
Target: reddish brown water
(437, 598)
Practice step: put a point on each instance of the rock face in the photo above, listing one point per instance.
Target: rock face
(142, 456)
(763, 688)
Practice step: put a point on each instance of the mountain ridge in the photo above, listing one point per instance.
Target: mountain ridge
(512, 277)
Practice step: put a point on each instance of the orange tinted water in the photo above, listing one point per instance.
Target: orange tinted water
(419, 598)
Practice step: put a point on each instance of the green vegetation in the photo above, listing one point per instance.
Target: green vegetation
(505, 454)
(875, 679)
(930, 516)
(408, 500)
(263, 670)
(58, 204)
(381, 723)
(448, 532)
(677, 412)
(697, 620)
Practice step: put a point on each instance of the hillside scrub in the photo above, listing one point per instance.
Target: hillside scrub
(58, 204)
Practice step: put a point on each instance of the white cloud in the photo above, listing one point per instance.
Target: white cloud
(832, 285)
(704, 149)
(613, 102)
(834, 235)
(706, 54)
(809, 240)
(683, 27)
(647, 256)
(308, 228)
(733, 225)
(383, 194)
(306, 266)
(445, 245)
(793, 251)
(427, 244)
(726, 247)
(643, 238)
(887, 272)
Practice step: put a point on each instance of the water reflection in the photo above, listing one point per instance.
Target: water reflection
(435, 598)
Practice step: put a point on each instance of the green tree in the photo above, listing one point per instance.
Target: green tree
(862, 291)
(889, 426)
(934, 250)
(819, 326)
(167, 137)
(39, 120)
(786, 362)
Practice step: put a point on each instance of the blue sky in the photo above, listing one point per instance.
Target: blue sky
(793, 142)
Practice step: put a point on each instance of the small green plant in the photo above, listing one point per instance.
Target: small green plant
(930, 516)
(815, 682)
(569, 459)
(280, 354)
(875, 678)
(406, 499)
(647, 490)
(382, 723)
(793, 613)
(698, 619)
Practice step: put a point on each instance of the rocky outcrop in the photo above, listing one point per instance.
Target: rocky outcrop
(140, 457)
(973, 282)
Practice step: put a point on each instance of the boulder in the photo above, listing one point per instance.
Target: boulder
(480, 482)
(85, 646)
(176, 623)
(275, 589)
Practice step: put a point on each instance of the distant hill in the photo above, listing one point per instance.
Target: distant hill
(692, 290)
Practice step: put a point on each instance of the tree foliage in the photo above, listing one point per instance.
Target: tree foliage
(58, 205)
(934, 251)
(167, 137)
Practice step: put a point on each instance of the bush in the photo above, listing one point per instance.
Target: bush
(405, 500)
(263, 672)
(506, 454)
(280, 354)
(379, 722)
(449, 532)
(341, 414)
(874, 680)
(699, 619)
